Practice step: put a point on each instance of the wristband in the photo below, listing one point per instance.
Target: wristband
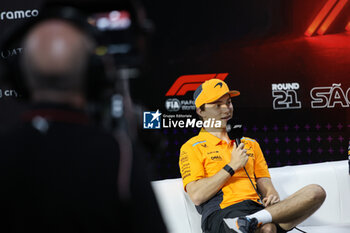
(229, 170)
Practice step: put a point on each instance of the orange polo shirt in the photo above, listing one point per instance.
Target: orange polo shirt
(205, 155)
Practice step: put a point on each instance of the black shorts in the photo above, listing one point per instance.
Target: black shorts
(215, 224)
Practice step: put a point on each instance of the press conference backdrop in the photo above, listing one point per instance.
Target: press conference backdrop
(289, 59)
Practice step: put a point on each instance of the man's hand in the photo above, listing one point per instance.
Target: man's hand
(239, 157)
(270, 200)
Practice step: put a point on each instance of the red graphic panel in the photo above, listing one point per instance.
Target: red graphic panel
(320, 17)
(331, 17)
(186, 83)
(326, 17)
(348, 27)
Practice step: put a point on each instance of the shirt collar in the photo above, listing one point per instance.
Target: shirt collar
(211, 138)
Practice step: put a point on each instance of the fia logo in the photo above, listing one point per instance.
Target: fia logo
(172, 105)
(151, 120)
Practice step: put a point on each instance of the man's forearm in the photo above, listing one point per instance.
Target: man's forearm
(266, 187)
(268, 191)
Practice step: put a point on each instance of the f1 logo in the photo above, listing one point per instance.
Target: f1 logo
(151, 120)
(188, 83)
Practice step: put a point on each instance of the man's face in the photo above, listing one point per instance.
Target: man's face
(220, 110)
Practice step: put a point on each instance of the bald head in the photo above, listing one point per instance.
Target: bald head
(55, 56)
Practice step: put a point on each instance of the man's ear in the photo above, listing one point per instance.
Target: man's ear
(199, 112)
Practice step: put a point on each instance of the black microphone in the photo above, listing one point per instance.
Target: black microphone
(234, 130)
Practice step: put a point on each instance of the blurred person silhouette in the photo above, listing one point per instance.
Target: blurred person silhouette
(59, 172)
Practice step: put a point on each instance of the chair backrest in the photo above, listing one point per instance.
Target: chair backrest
(332, 176)
(181, 215)
(171, 199)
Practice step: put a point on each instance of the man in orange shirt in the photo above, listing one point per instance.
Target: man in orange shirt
(215, 175)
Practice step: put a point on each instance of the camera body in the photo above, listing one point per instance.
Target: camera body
(115, 28)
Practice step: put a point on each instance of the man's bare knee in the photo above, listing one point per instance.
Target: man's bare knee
(316, 193)
(267, 228)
